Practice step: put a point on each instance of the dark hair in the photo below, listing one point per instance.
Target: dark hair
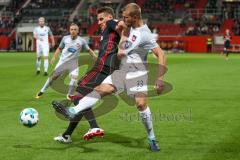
(107, 10)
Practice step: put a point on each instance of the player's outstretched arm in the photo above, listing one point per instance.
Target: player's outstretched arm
(52, 40)
(159, 53)
(92, 53)
(56, 54)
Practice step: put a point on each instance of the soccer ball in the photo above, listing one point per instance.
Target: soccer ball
(29, 117)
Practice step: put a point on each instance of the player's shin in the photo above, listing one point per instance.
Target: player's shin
(38, 63)
(87, 102)
(46, 85)
(146, 117)
(45, 65)
(71, 86)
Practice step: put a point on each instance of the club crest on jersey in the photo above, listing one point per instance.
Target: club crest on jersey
(78, 45)
(134, 38)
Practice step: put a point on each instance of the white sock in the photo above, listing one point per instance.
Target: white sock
(87, 102)
(146, 116)
(45, 65)
(38, 63)
(71, 86)
(46, 85)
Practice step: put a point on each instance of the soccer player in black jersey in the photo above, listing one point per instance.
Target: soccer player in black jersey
(227, 43)
(106, 63)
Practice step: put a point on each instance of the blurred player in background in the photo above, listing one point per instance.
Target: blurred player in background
(69, 48)
(132, 75)
(41, 34)
(227, 43)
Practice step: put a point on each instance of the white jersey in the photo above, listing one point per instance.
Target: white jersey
(41, 34)
(71, 47)
(136, 48)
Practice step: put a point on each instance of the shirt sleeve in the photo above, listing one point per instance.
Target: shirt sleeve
(62, 43)
(111, 24)
(149, 42)
(49, 31)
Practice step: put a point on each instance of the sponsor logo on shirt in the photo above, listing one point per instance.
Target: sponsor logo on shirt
(72, 50)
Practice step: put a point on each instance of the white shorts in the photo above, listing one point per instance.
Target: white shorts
(133, 82)
(71, 66)
(42, 49)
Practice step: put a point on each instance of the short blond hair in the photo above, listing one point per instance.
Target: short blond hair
(133, 9)
(41, 18)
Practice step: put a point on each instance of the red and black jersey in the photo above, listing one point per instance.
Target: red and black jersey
(227, 37)
(107, 62)
(107, 57)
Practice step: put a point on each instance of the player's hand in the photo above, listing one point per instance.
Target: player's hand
(159, 86)
(121, 54)
(95, 58)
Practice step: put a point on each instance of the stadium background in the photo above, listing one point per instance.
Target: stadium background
(181, 25)
(198, 120)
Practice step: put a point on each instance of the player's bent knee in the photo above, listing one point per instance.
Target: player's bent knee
(74, 77)
(54, 76)
(141, 106)
(104, 89)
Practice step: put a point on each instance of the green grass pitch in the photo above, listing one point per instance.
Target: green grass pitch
(198, 120)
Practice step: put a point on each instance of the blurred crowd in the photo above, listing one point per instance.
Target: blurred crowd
(57, 15)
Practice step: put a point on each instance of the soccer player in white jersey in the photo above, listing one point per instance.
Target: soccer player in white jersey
(132, 74)
(69, 48)
(41, 34)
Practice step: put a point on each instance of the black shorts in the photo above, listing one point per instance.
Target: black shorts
(227, 44)
(92, 78)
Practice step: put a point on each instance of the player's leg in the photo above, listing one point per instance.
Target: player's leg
(49, 81)
(94, 131)
(86, 102)
(38, 59)
(86, 85)
(92, 98)
(59, 69)
(66, 136)
(73, 80)
(106, 87)
(45, 57)
(146, 116)
(227, 52)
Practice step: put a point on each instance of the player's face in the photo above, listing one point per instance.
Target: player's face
(74, 31)
(227, 31)
(102, 19)
(128, 20)
(41, 22)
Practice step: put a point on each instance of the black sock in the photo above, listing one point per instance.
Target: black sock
(88, 114)
(227, 54)
(72, 125)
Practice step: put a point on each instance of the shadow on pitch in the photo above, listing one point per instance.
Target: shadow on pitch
(79, 143)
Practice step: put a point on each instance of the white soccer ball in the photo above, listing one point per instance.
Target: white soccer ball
(29, 117)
